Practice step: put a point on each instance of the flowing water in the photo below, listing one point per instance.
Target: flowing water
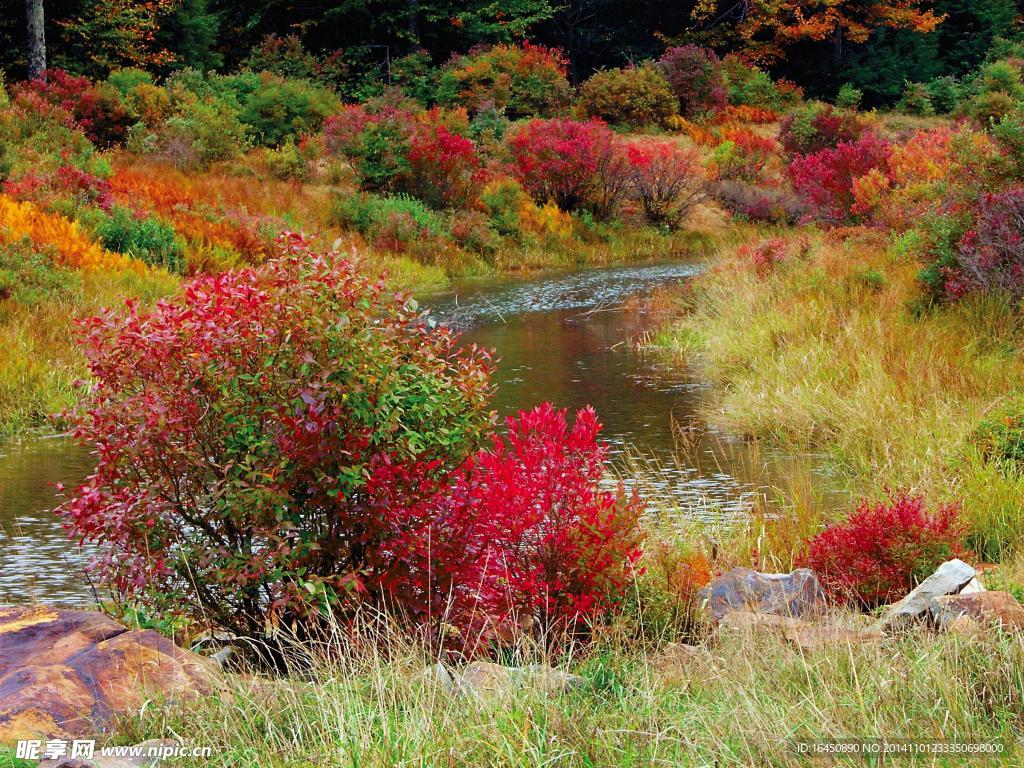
(564, 338)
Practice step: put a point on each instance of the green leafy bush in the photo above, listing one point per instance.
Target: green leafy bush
(747, 85)
(915, 99)
(200, 132)
(945, 94)
(389, 222)
(502, 201)
(1000, 437)
(127, 80)
(522, 80)
(286, 162)
(381, 154)
(281, 109)
(849, 96)
(636, 97)
(29, 277)
(146, 239)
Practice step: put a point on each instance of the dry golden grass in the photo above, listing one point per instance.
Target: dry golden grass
(827, 353)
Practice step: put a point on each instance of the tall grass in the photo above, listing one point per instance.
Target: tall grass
(829, 352)
(39, 360)
(741, 700)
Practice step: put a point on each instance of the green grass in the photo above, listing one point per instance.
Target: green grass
(739, 701)
(818, 358)
(40, 361)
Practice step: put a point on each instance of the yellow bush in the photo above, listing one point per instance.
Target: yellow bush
(74, 248)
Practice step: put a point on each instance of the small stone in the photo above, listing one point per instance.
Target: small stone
(484, 679)
(797, 594)
(948, 579)
(985, 608)
(437, 676)
(554, 681)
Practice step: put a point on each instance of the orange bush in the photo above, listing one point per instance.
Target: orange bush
(170, 195)
(73, 247)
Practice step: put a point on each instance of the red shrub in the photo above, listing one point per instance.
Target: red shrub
(342, 131)
(695, 75)
(98, 109)
(884, 549)
(991, 256)
(667, 178)
(235, 429)
(825, 179)
(68, 181)
(522, 537)
(765, 255)
(444, 170)
(814, 128)
(556, 159)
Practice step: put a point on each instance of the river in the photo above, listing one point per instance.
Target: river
(565, 338)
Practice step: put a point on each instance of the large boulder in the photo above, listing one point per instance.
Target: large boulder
(797, 594)
(948, 579)
(986, 608)
(67, 673)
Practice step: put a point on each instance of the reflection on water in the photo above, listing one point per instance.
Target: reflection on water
(563, 339)
(568, 340)
(37, 561)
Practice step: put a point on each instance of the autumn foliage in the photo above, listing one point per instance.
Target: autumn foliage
(825, 179)
(286, 444)
(884, 549)
(667, 178)
(556, 159)
(73, 247)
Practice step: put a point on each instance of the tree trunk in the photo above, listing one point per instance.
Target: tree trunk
(413, 11)
(837, 45)
(36, 39)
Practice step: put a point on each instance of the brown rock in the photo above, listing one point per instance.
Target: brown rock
(803, 634)
(985, 608)
(485, 679)
(126, 670)
(797, 594)
(65, 674)
(37, 702)
(678, 664)
(41, 635)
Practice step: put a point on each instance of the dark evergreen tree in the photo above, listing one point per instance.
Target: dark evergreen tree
(192, 34)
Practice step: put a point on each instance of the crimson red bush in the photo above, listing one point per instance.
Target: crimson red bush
(883, 550)
(237, 425)
(443, 166)
(556, 159)
(825, 179)
(667, 178)
(522, 538)
(97, 109)
(695, 76)
(991, 254)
